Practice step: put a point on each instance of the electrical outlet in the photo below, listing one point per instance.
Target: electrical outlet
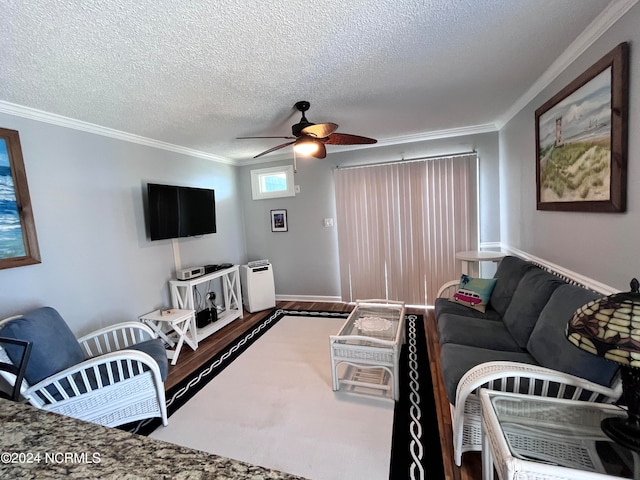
(328, 222)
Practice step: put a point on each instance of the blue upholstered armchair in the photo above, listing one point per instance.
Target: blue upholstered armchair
(111, 377)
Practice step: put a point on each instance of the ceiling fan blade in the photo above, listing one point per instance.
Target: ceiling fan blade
(244, 138)
(322, 151)
(347, 139)
(320, 130)
(274, 149)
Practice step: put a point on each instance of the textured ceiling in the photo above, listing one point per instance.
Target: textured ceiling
(197, 74)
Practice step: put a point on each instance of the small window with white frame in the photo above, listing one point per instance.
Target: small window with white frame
(273, 182)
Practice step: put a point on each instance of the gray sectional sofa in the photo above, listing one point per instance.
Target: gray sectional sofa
(517, 344)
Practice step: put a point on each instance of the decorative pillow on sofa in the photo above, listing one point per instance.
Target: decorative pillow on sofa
(474, 292)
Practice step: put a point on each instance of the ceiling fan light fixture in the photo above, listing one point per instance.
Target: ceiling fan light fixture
(309, 138)
(306, 146)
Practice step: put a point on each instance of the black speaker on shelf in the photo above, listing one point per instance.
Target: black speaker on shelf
(206, 316)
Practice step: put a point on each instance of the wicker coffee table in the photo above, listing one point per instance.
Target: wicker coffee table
(368, 344)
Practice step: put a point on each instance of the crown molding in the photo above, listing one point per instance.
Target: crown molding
(609, 16)
(62, 121)
(41, 116)
(438, 134)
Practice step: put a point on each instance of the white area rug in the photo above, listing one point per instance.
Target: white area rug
(274, 407)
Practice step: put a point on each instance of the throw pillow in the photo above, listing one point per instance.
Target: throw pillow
(474, 292)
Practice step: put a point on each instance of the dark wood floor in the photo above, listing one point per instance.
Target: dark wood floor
(190, 361)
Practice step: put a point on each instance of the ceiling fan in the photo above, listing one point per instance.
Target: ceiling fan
(311, 138)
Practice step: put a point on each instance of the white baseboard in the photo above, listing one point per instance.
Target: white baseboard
(308, 298)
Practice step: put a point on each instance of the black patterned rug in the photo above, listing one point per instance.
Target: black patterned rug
(415, 424)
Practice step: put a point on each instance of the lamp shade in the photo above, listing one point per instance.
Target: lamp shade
(609, 327)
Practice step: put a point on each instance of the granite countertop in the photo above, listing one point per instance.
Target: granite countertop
(39, 444)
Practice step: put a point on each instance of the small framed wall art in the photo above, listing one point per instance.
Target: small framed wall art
(581, 140)
(18, 239)
(279, 221)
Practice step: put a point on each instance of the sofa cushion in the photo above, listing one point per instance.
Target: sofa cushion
(474, 292)
(443, 305)
(476, 332)
(528, 300)
(508, 274)
(548, 343)
(54, 348)
(456, 360)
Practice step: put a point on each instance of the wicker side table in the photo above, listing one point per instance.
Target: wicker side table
(531, 437)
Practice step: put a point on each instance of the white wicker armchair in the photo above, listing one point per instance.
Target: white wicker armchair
(113, 386)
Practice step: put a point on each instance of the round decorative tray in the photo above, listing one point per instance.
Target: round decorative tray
(373, 324)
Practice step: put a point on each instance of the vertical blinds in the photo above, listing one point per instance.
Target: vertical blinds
(400, 225)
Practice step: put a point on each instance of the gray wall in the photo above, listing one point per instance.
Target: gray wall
(98, 267)
(602, 246)
(305, 259)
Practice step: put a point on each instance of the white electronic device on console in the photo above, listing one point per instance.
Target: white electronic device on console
(189, 273)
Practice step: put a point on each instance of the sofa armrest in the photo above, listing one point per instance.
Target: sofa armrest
(115, 337)
(519, 378)
(448, 289)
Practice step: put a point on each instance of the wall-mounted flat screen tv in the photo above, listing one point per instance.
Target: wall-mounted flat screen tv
(180, 211)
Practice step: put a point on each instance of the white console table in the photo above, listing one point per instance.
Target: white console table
(182, 297)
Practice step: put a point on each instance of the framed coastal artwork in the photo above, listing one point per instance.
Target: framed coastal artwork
(581, 140)
(18, 240)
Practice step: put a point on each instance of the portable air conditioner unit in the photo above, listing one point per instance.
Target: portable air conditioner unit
(258, 289)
